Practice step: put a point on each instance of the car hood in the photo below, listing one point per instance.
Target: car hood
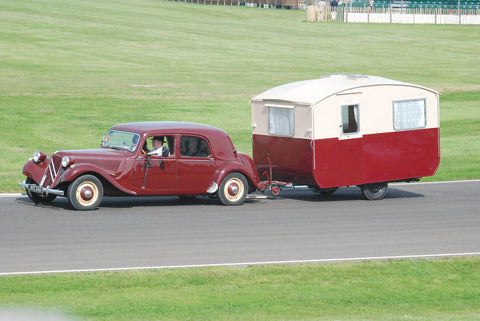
(108, 159)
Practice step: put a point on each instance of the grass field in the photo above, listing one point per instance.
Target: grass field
(439, 290)
(71, 69)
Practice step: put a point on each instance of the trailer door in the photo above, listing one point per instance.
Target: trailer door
(350, 140)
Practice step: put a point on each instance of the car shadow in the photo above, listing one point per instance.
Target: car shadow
(146, 201)
(342, 194)
(60, 203)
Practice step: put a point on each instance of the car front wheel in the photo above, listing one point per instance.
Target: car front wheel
(85, 193)
(233, 189)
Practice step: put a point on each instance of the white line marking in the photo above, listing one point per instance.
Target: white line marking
(437, 182)
(11, 194)
(371, 258)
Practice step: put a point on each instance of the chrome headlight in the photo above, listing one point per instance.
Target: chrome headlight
(67, 161)
(39, 157)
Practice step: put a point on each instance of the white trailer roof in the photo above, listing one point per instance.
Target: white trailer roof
(310, 92)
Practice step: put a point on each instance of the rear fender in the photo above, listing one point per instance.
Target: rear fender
(250, 167)
(230, 167)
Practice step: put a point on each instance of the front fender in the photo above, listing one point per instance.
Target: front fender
(77, 170)
(35, 171)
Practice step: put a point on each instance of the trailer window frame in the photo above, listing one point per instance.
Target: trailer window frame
(409, 116)
(281, 120)
(350, 119)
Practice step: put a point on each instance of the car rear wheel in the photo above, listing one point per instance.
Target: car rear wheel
(85, 193)
(375, 191)
(233, 189)
(38, 198)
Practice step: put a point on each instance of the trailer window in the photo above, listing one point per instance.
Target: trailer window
(350, 119)
(409, 114)
(281, 121)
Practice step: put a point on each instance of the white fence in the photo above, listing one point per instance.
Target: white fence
(321, 11)
(406, 17)
(421, 15)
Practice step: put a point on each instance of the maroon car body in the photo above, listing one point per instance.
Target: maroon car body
(201, 160)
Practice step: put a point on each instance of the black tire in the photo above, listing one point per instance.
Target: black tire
(375, 191)
(85, 193)
(38, 198)
(233, 190)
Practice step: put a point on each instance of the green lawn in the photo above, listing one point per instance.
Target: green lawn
(440, 290)
(71, 69)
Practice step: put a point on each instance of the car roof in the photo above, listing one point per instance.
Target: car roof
(220, 141)
(151, 127)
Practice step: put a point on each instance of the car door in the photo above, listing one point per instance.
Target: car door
(156, 174)
(195, 166)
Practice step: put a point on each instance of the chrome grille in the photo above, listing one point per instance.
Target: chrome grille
(52, 171)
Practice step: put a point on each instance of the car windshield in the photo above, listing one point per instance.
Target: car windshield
(117, 139)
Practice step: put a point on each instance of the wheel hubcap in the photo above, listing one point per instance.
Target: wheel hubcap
(87, 193)
(233, 189)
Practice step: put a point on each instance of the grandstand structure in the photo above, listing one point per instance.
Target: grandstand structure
(279, 4)
(410, 11)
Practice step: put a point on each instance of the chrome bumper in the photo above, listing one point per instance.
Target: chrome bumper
(34, 188)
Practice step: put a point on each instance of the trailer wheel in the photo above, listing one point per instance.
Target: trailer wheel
(85, 193)
(375, 191)
(233, 189)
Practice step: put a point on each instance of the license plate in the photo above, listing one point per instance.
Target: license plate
(35, 188)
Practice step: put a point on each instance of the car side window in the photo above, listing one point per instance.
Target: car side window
(191, 146)
(168, 142)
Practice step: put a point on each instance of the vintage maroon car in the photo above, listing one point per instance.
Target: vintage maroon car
(196, 160)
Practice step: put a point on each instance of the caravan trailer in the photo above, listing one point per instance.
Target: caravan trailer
(345, 130)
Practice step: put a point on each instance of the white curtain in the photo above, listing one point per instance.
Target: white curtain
(281, 121)
(409, 114)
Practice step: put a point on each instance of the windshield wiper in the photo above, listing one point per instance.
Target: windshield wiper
(116, 147)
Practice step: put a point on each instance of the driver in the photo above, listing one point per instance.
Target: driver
(158, 148)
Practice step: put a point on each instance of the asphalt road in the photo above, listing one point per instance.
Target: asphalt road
(414, 219)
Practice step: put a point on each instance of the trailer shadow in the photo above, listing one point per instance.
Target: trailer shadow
(342, 194)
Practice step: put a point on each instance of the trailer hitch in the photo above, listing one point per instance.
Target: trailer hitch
(269, 183)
